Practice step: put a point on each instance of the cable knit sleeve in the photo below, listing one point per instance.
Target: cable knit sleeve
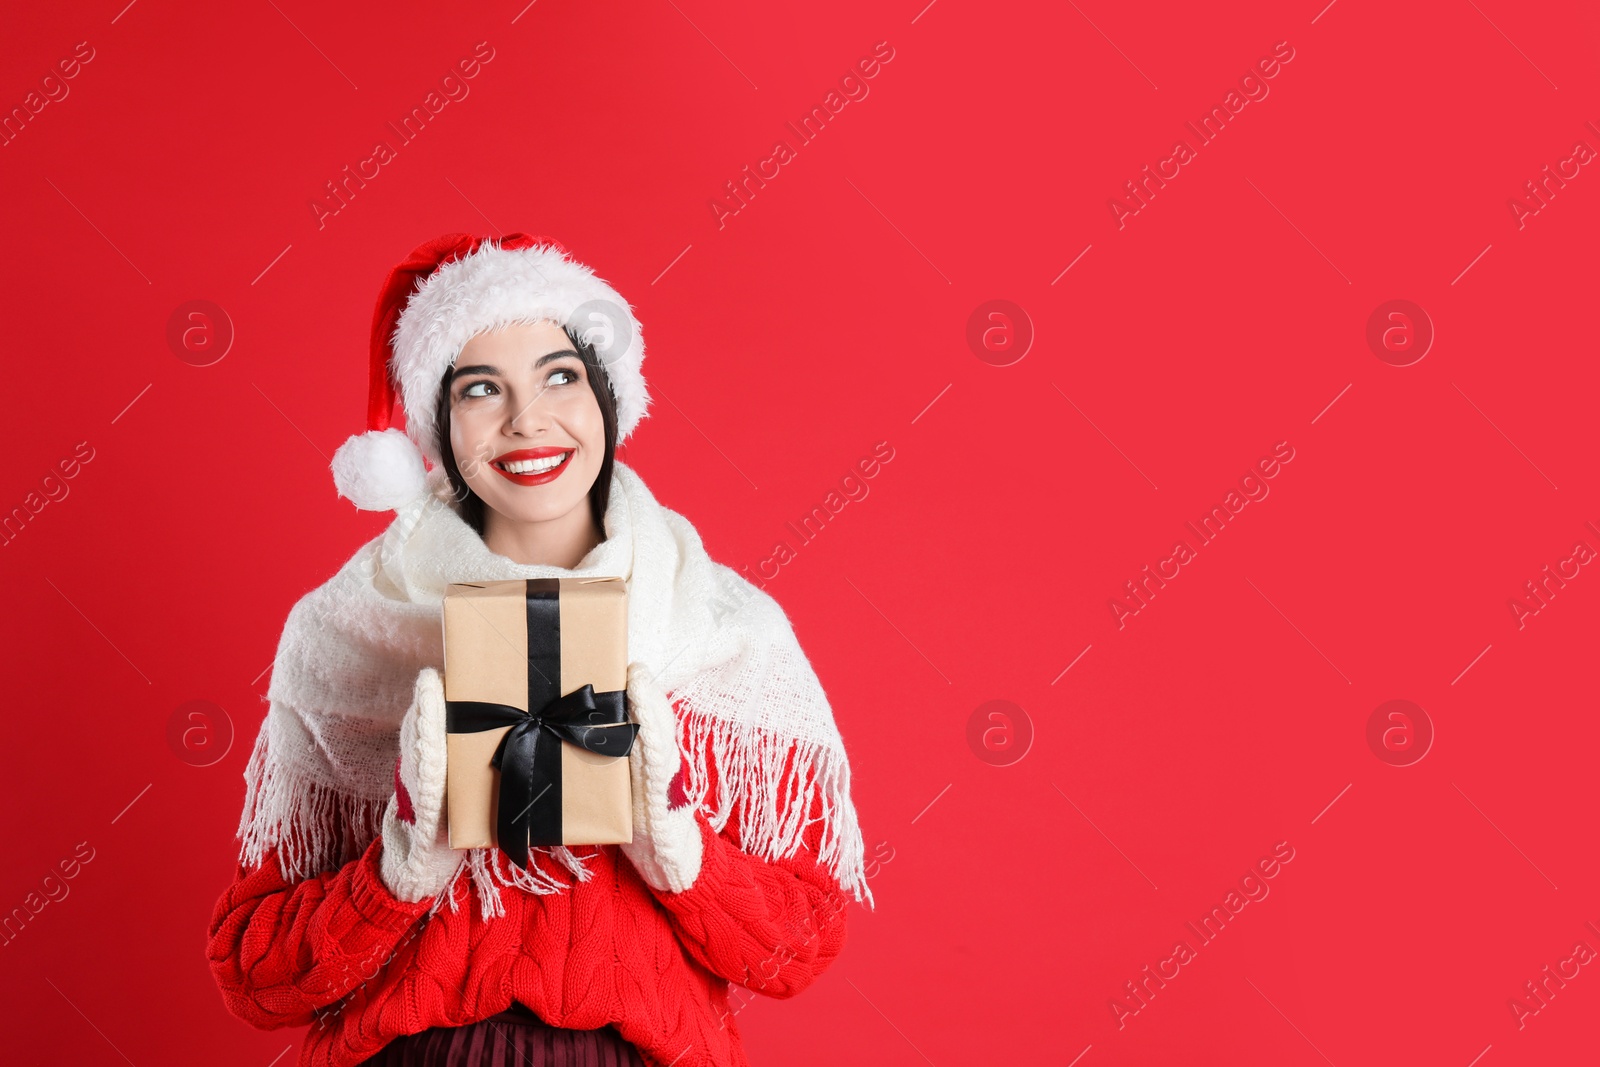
(280, 951)
(770, 926)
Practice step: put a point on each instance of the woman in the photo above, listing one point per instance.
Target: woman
(350, 912)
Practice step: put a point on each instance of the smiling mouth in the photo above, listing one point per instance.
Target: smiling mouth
(534, 466)
(533, 470)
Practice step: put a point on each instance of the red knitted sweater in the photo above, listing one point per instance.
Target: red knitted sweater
(340, 952)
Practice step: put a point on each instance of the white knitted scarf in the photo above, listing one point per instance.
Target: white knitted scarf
(322, 769)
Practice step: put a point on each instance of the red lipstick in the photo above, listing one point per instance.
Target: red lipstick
(536, 477)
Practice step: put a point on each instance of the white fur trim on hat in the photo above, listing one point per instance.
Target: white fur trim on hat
(495, 287)
(380, 470)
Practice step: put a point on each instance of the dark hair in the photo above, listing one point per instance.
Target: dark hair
(471, 505)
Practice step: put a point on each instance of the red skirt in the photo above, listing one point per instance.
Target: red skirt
(514, 1038)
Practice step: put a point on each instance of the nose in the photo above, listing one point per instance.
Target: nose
(528, 417)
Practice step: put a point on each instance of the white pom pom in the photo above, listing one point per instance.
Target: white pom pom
(379, 470)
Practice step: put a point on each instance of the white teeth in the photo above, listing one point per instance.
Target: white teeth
(534, 466)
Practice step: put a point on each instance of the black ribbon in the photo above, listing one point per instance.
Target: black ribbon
(529, 755)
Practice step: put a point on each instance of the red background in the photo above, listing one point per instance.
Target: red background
(823, 318)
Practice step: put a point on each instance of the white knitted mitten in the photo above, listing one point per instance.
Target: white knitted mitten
(666, 847)
(418, 861)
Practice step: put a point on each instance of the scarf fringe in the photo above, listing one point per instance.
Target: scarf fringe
(490, 868)
(317, 829)
(774, 782)
(314, 828)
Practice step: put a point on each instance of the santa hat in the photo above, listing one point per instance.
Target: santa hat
(445, 292)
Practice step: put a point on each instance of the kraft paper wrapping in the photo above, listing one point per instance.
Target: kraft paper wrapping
(488, 658)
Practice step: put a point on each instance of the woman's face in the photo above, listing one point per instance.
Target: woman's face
(525, 425)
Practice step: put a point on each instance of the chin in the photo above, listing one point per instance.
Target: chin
(529, 504)
(537, 511)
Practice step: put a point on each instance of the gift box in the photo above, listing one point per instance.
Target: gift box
(535, 673)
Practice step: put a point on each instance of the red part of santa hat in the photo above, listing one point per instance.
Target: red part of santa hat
(445, 292)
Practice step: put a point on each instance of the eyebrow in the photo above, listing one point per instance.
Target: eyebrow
(485, 368)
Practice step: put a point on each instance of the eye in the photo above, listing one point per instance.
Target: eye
(479, 385)
(562, 376)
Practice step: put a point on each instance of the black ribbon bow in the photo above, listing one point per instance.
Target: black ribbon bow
(529, 756)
